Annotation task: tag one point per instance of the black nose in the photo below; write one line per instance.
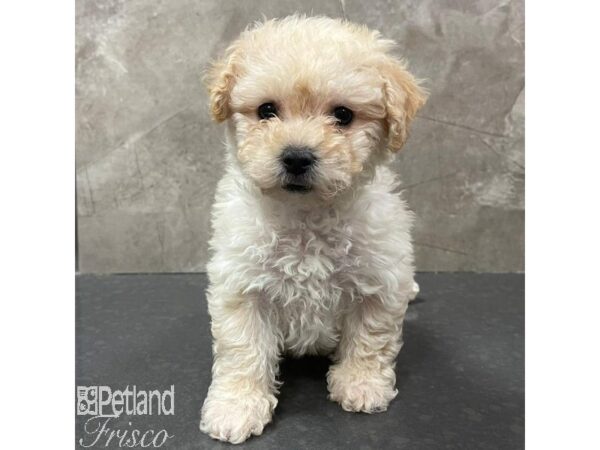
(297, 160)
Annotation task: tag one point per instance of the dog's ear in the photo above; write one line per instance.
(220, 79)
(403, 98)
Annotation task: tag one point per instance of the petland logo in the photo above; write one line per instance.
(104, 406)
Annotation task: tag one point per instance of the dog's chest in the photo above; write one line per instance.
(307, 261)
(308, 264)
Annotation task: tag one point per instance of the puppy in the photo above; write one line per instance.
(311, 248)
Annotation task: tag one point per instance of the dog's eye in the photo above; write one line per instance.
(267, 111)
(343, 115)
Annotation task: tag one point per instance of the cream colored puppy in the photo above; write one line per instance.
(311, 243)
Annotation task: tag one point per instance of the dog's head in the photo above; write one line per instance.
(312, 103)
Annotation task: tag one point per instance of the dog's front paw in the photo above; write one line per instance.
(235, 419)
(360, 391)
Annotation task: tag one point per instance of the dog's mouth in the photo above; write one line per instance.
(301, 188)
(297, 183)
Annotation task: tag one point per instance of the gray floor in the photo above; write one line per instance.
(460, 373)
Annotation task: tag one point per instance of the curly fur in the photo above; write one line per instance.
(327, 272)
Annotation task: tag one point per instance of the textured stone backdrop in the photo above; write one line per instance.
(148, 156)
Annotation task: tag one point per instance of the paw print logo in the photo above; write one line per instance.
(87, 400)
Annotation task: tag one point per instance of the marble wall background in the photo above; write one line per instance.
(148, 156)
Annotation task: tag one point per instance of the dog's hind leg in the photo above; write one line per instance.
(415, 291)
(241, 397)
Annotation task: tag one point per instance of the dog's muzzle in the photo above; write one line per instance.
(298, 164)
